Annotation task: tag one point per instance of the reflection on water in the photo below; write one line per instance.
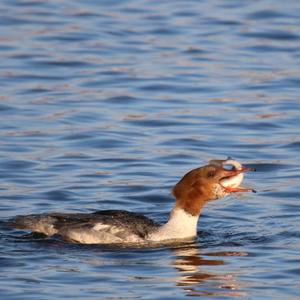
(194, 274)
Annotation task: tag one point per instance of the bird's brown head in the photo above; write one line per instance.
(213, 181)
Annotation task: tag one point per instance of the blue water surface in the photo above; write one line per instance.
(106, 104)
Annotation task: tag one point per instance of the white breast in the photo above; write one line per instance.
(181, 225)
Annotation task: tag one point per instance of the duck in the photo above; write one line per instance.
(199, 186)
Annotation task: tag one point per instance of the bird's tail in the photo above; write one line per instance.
(36, 223)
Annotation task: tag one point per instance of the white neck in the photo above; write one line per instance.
(181, 225)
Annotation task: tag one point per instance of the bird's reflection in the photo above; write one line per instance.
(196, 280)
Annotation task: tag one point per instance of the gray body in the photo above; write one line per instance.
(105, 227)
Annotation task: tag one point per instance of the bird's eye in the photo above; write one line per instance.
(211, 174)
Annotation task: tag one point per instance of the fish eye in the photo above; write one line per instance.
(228, 167)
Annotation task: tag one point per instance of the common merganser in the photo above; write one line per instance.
(213, 181)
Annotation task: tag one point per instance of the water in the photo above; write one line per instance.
(106, 104)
